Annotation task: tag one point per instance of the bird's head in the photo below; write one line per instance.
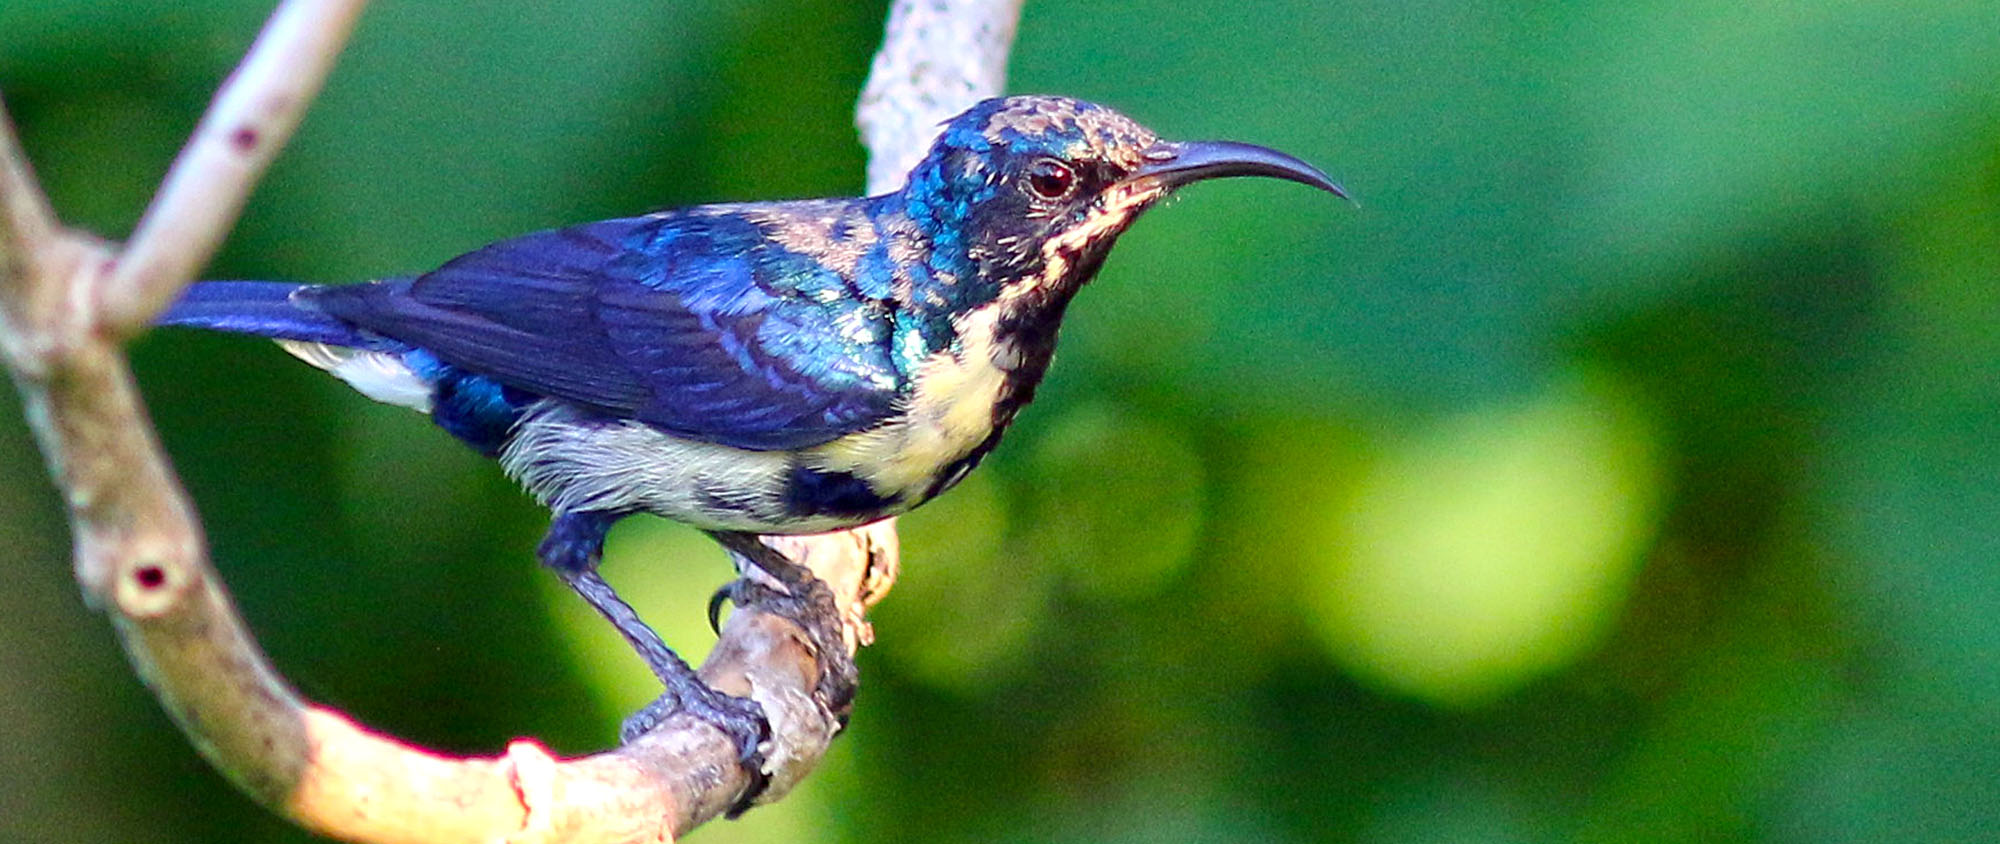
(1032, 191)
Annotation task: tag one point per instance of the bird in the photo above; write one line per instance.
(754, 368)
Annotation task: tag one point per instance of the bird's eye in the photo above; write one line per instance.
(1051, 179)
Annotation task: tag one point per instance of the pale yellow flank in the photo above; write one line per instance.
(949, 414)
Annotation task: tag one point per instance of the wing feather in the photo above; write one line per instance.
(690, 322)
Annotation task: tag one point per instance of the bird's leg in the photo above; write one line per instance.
(802, 597)
(573, 548)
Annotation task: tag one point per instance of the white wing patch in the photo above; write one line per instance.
(378, 375)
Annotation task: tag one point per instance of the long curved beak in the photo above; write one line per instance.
(1177, 164)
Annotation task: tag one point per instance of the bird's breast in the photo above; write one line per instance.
(959, 401)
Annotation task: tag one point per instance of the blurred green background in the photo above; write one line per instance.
(1626, 468)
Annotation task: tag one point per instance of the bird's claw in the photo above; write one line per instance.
(741, 719)
(812, 607)
(725, 594)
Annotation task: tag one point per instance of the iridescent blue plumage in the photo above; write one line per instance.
(782, 367)
(693, 322)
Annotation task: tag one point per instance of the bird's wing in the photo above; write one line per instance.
(697, 324)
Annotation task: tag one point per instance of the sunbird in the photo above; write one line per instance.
(754, 368)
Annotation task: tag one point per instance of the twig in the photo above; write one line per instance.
(29, 249)
(26, 212)
(67, 303)
(252, 117)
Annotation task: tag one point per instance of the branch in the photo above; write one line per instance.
(67, 304)
(939, 58)
(251, 119)
(25, 215)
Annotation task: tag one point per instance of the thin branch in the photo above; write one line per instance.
(28, 217)
(939, 58)
(28, 228)
(68, 301)
(251, 119)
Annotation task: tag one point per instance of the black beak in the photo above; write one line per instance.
(1177, 164)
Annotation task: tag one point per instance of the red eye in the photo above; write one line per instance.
(1051, 179)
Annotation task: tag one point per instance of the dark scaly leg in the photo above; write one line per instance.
(573, 547)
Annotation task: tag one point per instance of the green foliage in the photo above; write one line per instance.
(1622, 470)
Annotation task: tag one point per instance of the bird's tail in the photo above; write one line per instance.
(261, 308)
(275, 309)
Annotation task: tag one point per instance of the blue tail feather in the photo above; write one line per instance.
(261, 308)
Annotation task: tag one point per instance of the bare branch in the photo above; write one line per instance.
(28, 217)
(28, 245)
(68, 301)
(252, 117)
(940, 57)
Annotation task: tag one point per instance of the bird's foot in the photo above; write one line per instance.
(811, 606)
(741, 719)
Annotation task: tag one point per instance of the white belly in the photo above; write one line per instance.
(574, 461)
